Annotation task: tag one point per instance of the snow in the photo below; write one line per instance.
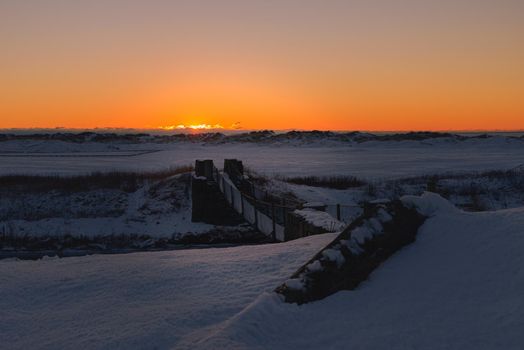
(459, 286)
(315, 266)
(334, 255)
(429, 204)
(350, 208)
(294, 283)
(280, 233)
(320, 219)
(140, 300)
(361, 234)
(313, 204)
(264, 223)
(249, 212)
(369, 160)
(158, 209)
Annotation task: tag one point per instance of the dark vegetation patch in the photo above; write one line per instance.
(256, 178)
(511, 174)
(336, 182)
(263, 136)
(93, 196)
(418, 136)
(54, 204)
(31, 247)
(125, 181)
(465, 184)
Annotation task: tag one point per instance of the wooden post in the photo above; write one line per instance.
(208, 169)
(199, 168)
(204, 168)
(338, 212)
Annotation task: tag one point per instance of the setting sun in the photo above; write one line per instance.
(192, 127)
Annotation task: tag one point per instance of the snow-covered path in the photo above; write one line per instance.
(459, 286)
(141, 300)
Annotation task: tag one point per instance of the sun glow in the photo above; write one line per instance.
(192, 127)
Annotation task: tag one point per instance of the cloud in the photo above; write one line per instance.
(236, 126)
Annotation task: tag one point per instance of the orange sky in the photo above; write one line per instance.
(305, 64)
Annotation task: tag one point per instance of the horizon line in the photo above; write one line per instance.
(156, 129)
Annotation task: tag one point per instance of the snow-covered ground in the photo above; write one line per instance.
(140, 300)
(471, 191)
(158, 209)
(369, 160)
(459, 286)
(378, 162)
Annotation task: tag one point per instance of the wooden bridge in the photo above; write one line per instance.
(229, 197)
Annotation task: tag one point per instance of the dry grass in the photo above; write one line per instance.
(127, 181)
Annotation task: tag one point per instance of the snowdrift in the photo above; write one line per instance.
(459, 286)
(137, 301)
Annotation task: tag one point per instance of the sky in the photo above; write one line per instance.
(266, 64)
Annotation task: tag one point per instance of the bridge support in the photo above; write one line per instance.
(209, 204)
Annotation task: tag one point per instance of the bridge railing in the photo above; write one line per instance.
(267, 216)
(344, 212)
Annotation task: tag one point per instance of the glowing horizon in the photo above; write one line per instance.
(191, 126)
(309, 65)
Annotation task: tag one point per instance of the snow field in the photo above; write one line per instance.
(369, 160)
(459, 286)
(139, 300)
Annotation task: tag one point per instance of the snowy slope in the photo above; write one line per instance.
(138, 301)
(157, 208)
(459, 286)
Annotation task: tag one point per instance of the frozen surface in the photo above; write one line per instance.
(369, 160)
(459, 286)
(141, 300)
